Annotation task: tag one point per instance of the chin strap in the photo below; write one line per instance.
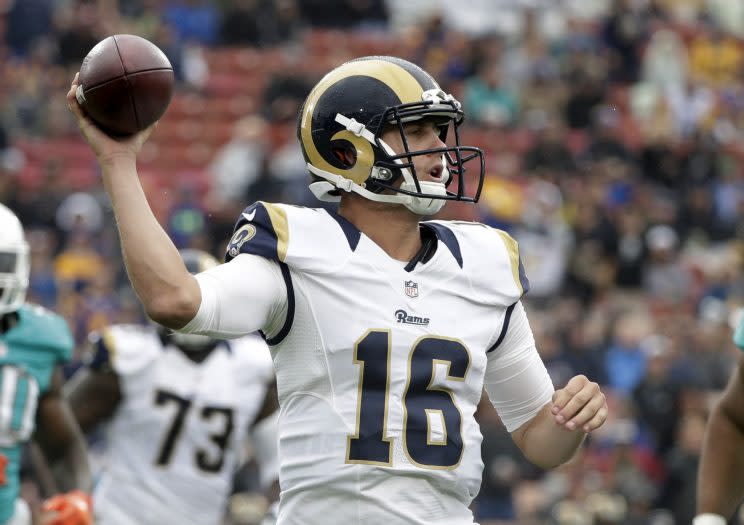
(418, 205)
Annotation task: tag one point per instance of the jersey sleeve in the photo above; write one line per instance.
(516, 380)
(49, 331)
(122, 349)
(247, 294)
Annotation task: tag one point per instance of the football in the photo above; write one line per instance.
(125, 84)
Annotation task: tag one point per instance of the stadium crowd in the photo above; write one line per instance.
(614, 134)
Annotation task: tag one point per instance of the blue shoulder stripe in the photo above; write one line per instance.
(504, 328)
(261, 229)
(279, 337)
(447, 237)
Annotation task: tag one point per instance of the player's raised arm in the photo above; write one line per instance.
(169, 293)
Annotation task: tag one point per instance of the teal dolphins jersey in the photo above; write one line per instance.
(29, 353)
(739, 334)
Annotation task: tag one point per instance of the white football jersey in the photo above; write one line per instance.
(176, 437)
(380, 364)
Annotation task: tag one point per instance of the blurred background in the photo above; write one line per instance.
(614, 133)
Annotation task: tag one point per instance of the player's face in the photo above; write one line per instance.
(420, 135)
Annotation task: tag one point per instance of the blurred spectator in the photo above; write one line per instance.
(488, 99)
(625, 363)
(664, 276)
(715, 58)
(242, 22)
(77, 25)
(657, 397)
(631, 248)
(345, 14)
(623, 33)
(27, 21)
(529, 58)
(665, 61)
(193, 20)
(544, 238)
(606, 142)
(80, 212)
(284, 96)
(195, 68)
(238, 163)
(38, 208)
(549, 155)
(587, 93)
(42, 286)
(691, 105)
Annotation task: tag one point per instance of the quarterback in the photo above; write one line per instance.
(33, 342)
(384, 328)
(177, 407)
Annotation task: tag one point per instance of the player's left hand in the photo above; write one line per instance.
(72, 508)
(580, 405)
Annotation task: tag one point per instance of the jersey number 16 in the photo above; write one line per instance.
(422, 402)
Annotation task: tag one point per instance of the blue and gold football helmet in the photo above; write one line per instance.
(350, 108)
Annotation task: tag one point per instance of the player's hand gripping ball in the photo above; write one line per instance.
(125, 84)
(72, 508)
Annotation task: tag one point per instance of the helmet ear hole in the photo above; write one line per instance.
(345, 152)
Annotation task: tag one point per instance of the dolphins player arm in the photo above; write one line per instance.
(63, 446)
(93, 396)
(720, 480)
(60, 438)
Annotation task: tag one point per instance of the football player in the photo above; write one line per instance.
(720, 483)
(33, 343)
(384, 328)
(178, 407)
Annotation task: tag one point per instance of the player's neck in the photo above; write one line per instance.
(392, 228)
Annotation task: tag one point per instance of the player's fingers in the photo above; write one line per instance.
(562, 396)
(577, 402)
(145, 133)
(597, 421)
(590, 409)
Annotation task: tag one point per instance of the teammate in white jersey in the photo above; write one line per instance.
(178, 407)
(384, 329)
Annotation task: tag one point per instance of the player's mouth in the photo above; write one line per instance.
(436, 173)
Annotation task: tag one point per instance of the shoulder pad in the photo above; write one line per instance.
(48, 330)
(125, 349)
(489, 256)
(292, 235)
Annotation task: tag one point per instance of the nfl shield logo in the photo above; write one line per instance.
(411, 289)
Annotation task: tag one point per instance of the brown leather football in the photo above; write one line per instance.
(125, 84)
